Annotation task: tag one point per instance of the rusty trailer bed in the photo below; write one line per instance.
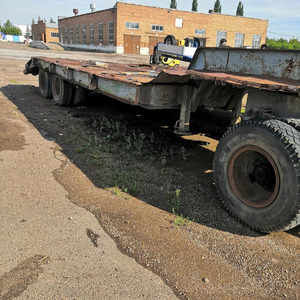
(150, 86)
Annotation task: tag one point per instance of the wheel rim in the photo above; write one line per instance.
(168, 41)
(253, 176)
(57, 87)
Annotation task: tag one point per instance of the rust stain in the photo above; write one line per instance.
(144, 74)
(256, 81)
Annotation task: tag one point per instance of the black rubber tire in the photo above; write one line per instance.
(257, 173)
(151, 60)
(45, 83)
(188, 42)
(61, 90)
(293, 122)
(198, 42)
(170, 40)
(79, 94)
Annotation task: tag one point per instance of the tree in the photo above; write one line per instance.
(218, 7)
(52, 21)
(195, 5)
(8, 28)
(173, 4)
(39, 18)
(8, 24)
(33, 21)
(282, 44)
(240, 9)
(28, 32)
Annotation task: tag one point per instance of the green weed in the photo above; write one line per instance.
(181, 221)
(14, 81)
(174, 201)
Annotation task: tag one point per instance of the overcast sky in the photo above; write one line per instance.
(283, 15)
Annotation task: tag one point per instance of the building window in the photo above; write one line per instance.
(200, 32)
(179, 23)
(239, 40)
(110, 33)
(130, 25)
(71, 35)
(100, 27)
(77, 34)
(220, 35)
(61, 35)
(83, 34)
(256, 41)
(91, 33)
(157, 28)
(66, 35)
(54, 34)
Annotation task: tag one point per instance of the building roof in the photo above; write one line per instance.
(155, 7)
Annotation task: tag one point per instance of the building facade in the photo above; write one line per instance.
(131, 28)
(45, 32)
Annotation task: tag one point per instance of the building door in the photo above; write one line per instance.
(132, 44)
(153, 40)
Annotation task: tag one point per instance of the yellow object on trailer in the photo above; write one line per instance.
(171, 62)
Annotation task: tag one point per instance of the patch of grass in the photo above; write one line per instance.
(134, 141)
(181, 221)
(174, 201)
(95, 155)
(126, 182)
(80, 149)
(116, 191)
(14, 81)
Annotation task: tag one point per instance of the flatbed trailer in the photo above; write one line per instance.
(257, 161)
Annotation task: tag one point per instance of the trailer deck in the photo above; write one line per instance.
(86, 73)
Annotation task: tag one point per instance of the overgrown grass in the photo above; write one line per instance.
(135, 141)
(120, 154)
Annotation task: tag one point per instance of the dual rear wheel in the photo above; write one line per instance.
(62, 91)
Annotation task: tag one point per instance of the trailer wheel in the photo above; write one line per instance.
(62, 90)
(188, 42)
(257, 172)
(170, 40)
(199, 42)
(45, 83)
(151, 60)
(79, 95)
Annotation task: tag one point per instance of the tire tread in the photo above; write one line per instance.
(290, 138)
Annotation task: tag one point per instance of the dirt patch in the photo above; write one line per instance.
(17, 280)
(10, 136)
(153, 239)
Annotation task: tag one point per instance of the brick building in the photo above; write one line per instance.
(131, 28)
(45, 32)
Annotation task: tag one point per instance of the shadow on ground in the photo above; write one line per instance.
(127, 148)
